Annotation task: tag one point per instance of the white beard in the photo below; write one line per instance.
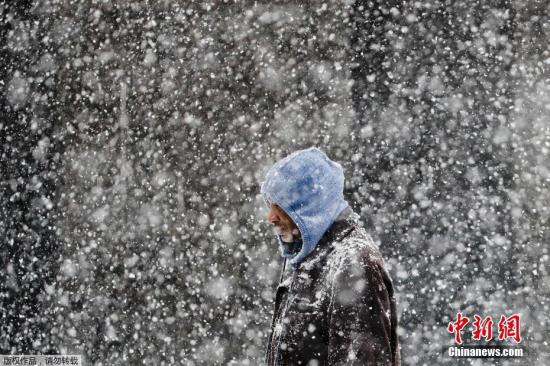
(287, 235)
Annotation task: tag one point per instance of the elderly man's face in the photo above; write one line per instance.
(282, 224)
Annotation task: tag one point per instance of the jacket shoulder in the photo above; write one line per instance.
(358, 248)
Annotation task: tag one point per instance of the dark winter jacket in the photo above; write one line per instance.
(337, 307)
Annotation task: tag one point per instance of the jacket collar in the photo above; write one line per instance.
(338, 230)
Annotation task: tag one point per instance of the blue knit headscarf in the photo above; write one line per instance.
(309, 187)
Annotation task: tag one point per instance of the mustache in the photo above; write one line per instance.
(280, 230)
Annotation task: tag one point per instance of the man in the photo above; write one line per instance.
(335, 303)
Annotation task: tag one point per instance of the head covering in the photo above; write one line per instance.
(309, 187)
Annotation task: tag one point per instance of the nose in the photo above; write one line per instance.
(272, 216)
